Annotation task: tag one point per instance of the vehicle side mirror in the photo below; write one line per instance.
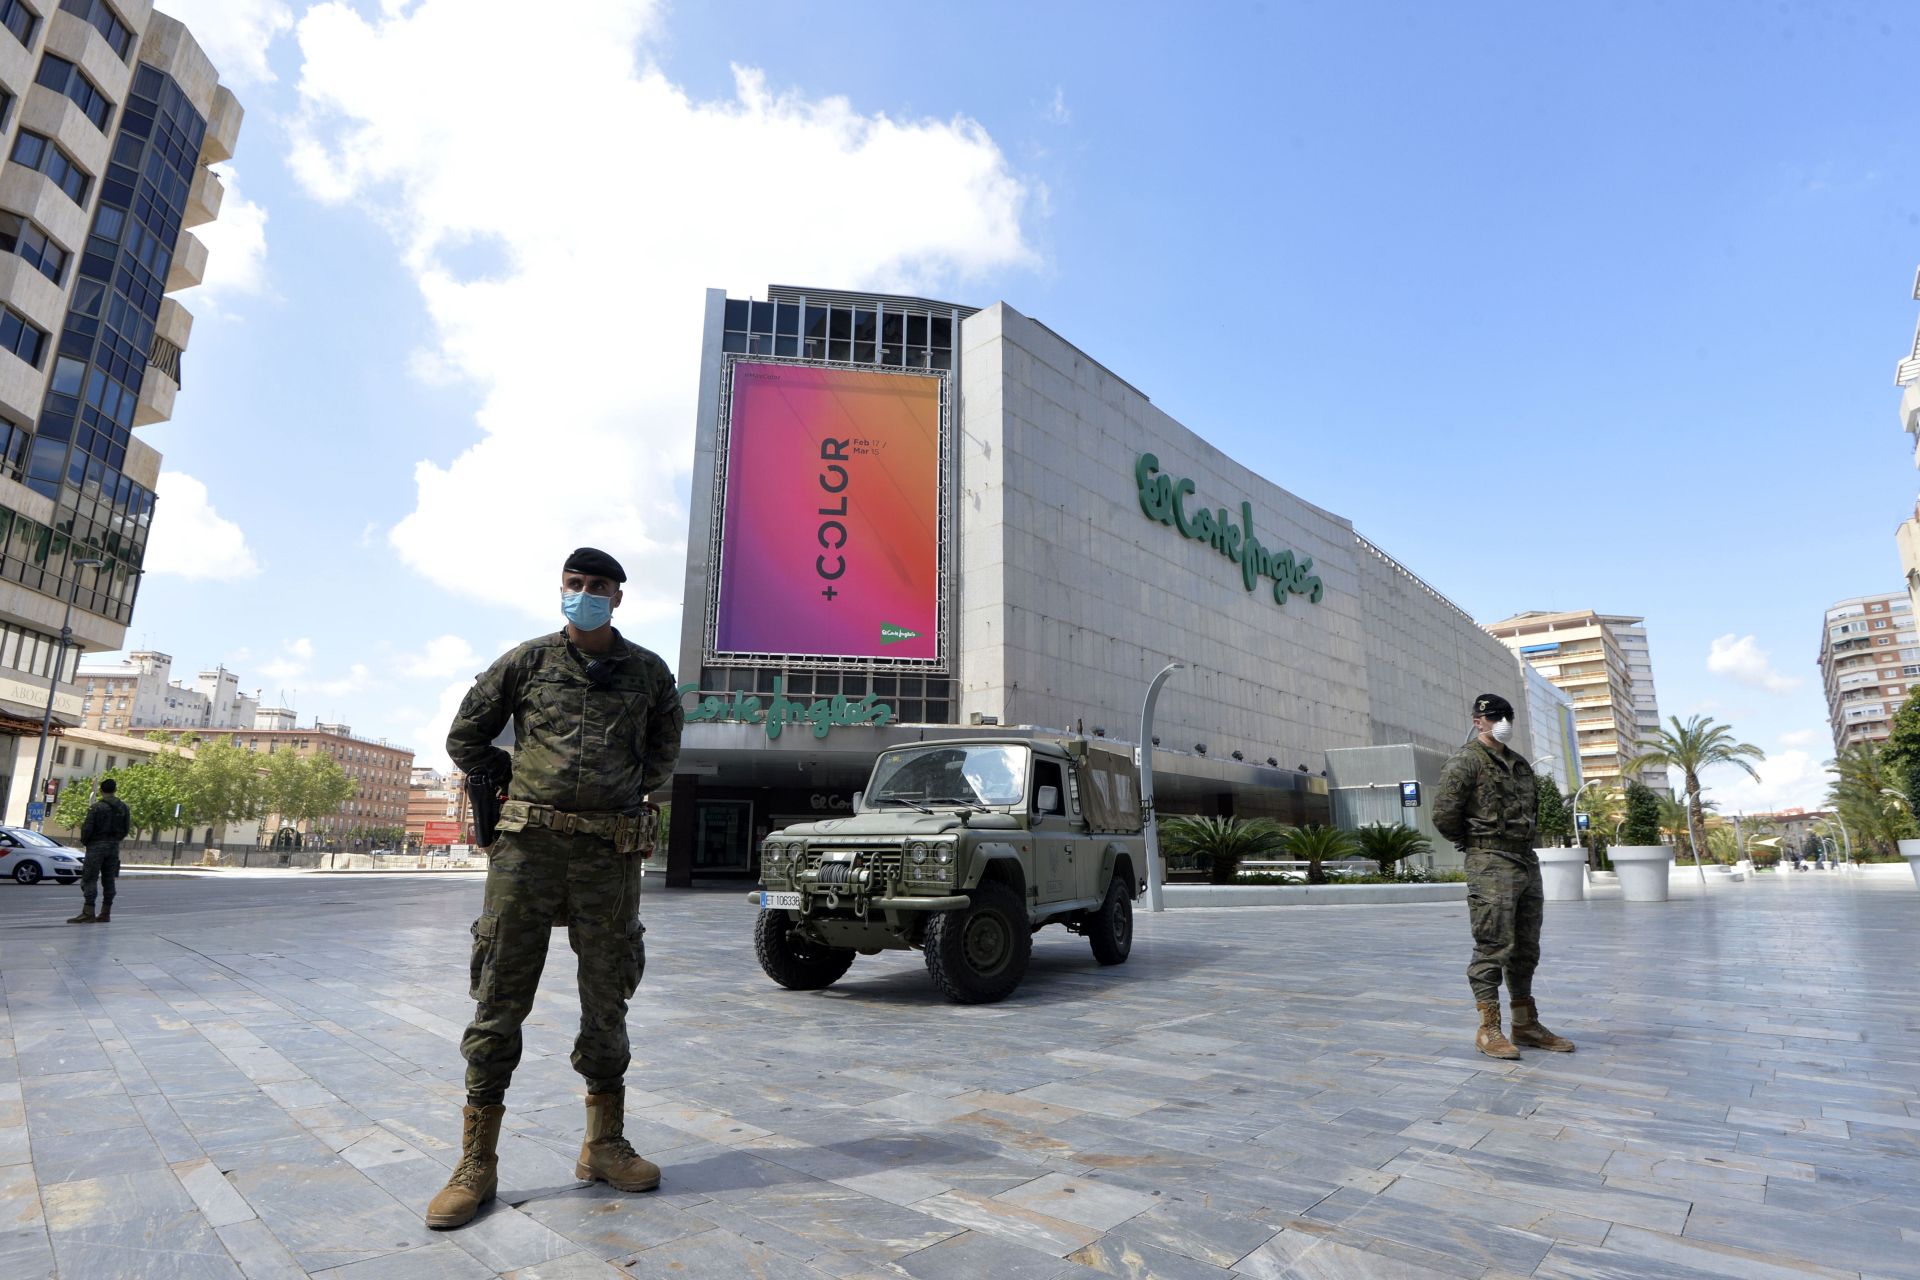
(1049, 800)
(859, 797)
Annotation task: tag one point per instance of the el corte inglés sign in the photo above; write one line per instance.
(1164, 498)
(822, 715)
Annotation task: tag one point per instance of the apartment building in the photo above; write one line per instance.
(1869, 663)
(381, 771)
(1603, 662)
(1906, 376)
(139, 693)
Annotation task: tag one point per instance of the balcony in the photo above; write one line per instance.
(158, 388)
(223, 127)
(189, 263)
(203, 198)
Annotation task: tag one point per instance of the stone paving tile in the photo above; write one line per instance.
(1213, 1113)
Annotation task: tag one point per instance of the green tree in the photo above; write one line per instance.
(220, 785)
(1555, 821)
(1692, 747)
(1222, 842)
(1390, 844)
(151, 789)
(75, 798)
(1315, 844)
(1901, 751)
(1866, 794)
(1642, 825)
(303, 788)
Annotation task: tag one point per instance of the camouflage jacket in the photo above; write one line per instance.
(577, 747)
(1487, 799)
(108, 819)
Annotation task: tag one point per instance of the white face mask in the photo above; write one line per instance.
(1501, 731)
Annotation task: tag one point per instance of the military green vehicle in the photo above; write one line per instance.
(962, 850)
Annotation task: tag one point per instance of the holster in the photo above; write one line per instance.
(485, 794)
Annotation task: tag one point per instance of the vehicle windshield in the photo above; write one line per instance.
(989, 774)
(32, 837)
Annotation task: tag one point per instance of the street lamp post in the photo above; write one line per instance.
(1578, 792)
(1149, 819)
(53, 681)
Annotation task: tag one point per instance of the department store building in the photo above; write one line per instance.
(916, 520)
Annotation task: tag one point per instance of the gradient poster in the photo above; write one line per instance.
(831, 534)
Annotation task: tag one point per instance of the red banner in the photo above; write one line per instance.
(443, 833)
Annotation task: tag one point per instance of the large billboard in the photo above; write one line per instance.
(830, 532)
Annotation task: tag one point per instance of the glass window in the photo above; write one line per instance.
(103, 19)
(762, 320)
(20, 20)
(63, 77)
(737, 311)
(27, 149)
(991, 774)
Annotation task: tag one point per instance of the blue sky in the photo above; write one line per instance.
(1583, 306)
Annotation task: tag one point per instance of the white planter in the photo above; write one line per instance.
(1643, 870)
(1563, 874)
(1910, 850)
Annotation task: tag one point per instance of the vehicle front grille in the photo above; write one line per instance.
(884, 864)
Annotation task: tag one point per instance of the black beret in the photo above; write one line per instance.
(593, 561)
(1492, 706)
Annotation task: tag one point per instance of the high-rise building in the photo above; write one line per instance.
(109, 116)
(1601, 661)
(1869, 662)
(1906, 376)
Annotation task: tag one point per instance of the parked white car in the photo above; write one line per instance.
(30, 857)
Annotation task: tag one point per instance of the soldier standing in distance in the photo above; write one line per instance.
(1488, 806)
(107, 823)
(597, 723)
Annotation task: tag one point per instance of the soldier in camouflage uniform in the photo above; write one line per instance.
(597, 725)
(107, 823)
(1487, 805)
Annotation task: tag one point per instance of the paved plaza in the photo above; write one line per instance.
(258, 1076)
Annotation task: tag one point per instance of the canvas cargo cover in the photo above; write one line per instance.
(1110, 789)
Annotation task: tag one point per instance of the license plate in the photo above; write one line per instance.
(779, 901)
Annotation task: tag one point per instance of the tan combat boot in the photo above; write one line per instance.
(1528, 1031)
(476, 1177)
(606, 1154)
(1488, 1039)
(86, 916)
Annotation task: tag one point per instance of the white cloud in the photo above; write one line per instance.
(1740, 658)
(1803, 737)
(562, 258)
(236, 34)
(430, 739)
(1057, 110)
(443, 657)
(1788, 779)
(294, 658)
(236, 244)
(192, 540)
(358, 677)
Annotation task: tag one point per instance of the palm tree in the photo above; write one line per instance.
(1389, 845)
(1315, 844)
(1691, 747)
(1865, 791)
(1222, 842)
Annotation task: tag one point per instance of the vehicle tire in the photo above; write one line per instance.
(794, 963)
(1110, 925)
(28, 872)
(978, 954)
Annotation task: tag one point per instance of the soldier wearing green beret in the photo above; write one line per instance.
(596, 722)
(1487, 805)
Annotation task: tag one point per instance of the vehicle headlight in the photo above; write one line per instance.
(772, 853)
(917, 851)
(943, 854)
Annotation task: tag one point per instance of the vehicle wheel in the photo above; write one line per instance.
(795, 963)
(27, 873)
(978, 954)
(1110, 926)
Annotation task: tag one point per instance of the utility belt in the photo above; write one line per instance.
(1500, 844)
(629, 833)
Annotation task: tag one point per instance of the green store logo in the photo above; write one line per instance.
(893, 634)
(822, 715)
(1163, 498)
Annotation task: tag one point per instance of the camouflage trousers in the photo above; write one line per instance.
(537, 879)
(100, 869)
(1504, 902)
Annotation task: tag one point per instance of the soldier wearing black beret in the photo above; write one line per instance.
(597, 723)
(1487, 804)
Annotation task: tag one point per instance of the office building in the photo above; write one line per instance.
(109, 117)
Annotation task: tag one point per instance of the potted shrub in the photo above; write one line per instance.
(1643, 863)
(1390, 845)
(1221, 843)
(1563, 871)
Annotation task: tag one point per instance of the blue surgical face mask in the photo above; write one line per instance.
(586, 612)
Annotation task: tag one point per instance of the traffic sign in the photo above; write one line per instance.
(36, 811)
